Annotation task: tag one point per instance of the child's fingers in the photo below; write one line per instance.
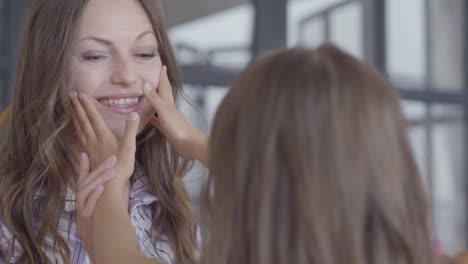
(153, 97)
(92, 201)
(96, 120)
(83, 119)
(84, 166)
(131, 130)
(86, 189)
(128, 146)
(165, 87)
(79, 131)
(107, 164)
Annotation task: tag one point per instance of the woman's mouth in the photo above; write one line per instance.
(122, 104)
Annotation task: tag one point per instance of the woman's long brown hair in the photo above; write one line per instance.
(310, 163)
(37, 155)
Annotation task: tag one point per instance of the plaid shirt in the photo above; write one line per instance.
(142, 208)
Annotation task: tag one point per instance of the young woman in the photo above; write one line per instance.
(310, 163)
(107, 50)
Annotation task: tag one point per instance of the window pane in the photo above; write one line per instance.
(448, 139)
(406, 50)
(300, 10)
(414, 110)
(346, 29)
(222, 39)
(418, 140)
(438, 146)
(309, 25)
(446, 30)
(313, 34)
(415, 113)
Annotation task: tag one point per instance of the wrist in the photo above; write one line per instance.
(200, 147)
(116, 184)
(117, 189)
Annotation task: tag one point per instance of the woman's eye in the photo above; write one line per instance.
(146, 56)
(93, 58)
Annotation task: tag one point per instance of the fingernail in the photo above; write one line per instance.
(134, 116)
(72, 93)
(147, 87)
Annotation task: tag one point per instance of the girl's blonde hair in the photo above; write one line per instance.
(310, 163)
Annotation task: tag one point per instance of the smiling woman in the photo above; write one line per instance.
(104, 50)
(112, 59)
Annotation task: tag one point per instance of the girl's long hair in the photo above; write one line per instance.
(310, 163)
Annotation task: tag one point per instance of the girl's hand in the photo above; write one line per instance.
(99, 142)
(88, 191)
(94, 136)
(127, 149)
(186, 140)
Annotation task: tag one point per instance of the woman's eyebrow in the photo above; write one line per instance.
(97, 39)
(109, 43)
(144, 34)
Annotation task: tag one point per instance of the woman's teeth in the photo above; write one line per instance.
(120, 102)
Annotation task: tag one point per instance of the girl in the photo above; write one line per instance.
(105, 49)
(310, 163)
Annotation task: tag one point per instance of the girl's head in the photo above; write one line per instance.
(106, 49)
(311, 164)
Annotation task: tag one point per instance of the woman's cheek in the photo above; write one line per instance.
(152, 73)
(85, 80)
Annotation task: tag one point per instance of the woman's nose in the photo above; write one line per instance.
(123, 74)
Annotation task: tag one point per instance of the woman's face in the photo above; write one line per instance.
(115, 52)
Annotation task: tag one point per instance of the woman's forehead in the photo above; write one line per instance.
(114, 18)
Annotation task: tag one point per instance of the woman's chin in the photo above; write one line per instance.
(118, 133)
(116, 123)
(119, 129)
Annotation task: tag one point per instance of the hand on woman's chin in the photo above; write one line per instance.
(119, 129)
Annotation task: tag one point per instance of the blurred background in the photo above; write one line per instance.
(418, 44)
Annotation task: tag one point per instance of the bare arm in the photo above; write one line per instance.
(113, 239)
(188, 141)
